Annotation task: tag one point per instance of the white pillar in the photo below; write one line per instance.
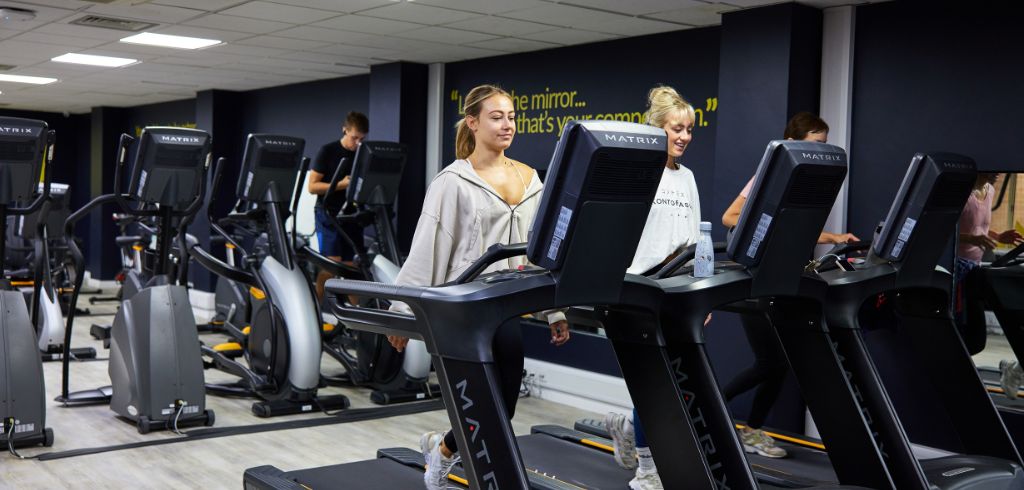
(435, 120)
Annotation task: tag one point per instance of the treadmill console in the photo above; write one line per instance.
(170, 164)
(23, 145)
(376, 173)
(926, 210)
(270, 163)
(792, 175)
(601, 182)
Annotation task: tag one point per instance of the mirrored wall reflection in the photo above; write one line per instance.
(988, 299)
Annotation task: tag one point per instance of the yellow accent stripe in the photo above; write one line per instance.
(794, 440)
(22, 283)
(257, 293)
(229, 246)
(592, 443)
(996, 389)
(216, 322)
(454, 478)
(328, 327)
(246, 330)
(137, 248)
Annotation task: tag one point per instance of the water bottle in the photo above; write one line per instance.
(704, 260)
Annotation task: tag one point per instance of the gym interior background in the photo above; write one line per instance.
(891, 78)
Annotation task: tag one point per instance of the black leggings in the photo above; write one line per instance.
(508, 357)
(767, 373)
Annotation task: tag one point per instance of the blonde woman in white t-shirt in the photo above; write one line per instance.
(673, 224)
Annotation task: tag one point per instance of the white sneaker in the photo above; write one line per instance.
(438, 466)
(646, 481)
(620, 427)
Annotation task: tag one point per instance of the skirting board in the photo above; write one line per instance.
(585, 390)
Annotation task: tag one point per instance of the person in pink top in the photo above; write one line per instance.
(974, 240)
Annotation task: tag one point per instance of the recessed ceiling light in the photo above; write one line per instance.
(89, 59)
(26, 79)
(169, 41)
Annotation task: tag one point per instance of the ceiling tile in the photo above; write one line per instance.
(446, 35)
(70, 41)
(448, 53)
(326, 58)
(370, 25)
(414, 12)
(241, 24)
(282, 42)
(44, 15)
(513, 45)
(570, 36)
(564, 15)
(359, 51)
(82, 31)
(323, 34)
(347, 6)
(634, 26)
(754, 3)
(241, 49)
(277, 12)
(207, 5)
(40, 51)
(499, 26)
(701, 15)
(633, 7)
(162, 14)
(484, 6)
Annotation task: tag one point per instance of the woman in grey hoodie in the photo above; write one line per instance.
(481, 199)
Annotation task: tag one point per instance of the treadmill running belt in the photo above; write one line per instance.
(804, 467)
(990, 377)
(572, 463)
(372, 474)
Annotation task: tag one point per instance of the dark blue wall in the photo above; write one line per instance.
(314, 110)
(178, 113)
(928, 76)
(603, 78)
(71, 155)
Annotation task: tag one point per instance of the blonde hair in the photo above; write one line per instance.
(663, 102)
(465, 143)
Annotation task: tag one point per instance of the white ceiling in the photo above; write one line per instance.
(278, 42)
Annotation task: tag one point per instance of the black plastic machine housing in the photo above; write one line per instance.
(170, 164)
(376, 173)
(270, 163)
(23, 144)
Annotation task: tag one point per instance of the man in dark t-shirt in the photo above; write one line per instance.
(342, 151)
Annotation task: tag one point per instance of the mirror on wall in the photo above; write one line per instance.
(988, 294)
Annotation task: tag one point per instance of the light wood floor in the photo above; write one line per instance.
(213, 463)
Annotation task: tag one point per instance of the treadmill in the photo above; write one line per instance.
(603, 175)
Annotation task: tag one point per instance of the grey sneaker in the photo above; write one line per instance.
(620, 427)
(646, 481)
(1010, 378)
(756, 441)
(438, 466)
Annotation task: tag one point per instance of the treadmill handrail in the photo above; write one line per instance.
(379, 321)
(494, 253)
(686, 255)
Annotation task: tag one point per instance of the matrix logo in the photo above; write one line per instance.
(281, 142)
(180, 139)
(16, 130)
(482, 457)
(823, 157)
(700, 425)
(630, 138)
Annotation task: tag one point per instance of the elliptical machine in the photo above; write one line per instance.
(155, 368)
(24, 145)
(393, 376)
(282, 348)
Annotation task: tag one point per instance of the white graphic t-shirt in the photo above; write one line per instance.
(674, 221)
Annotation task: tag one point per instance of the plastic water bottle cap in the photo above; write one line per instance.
(705, 226)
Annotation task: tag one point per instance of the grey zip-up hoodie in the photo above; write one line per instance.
(462, 216)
